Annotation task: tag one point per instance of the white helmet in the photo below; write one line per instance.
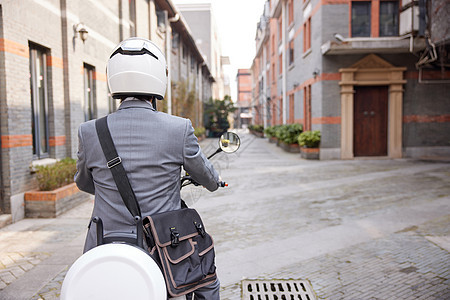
(137, 67)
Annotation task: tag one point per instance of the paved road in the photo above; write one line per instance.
(361, 229)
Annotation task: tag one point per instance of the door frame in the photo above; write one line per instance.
(375, 71)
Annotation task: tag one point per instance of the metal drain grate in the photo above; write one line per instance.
(277, 290)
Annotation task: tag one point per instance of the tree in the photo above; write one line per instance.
(216, 115)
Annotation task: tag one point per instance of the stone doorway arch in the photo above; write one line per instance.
(372, 71)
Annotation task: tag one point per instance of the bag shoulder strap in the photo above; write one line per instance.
(114, 163)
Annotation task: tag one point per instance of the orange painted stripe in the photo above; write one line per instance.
(12, 141)
(426, 119)
(57, 140)
(330, 76)
(14, 48)
(321, 77)
(56, 62)
(331, 2)
(100, 76)
(326, 120)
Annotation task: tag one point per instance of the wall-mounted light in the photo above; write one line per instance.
(79, 30)
(296, 84)
(316, 72)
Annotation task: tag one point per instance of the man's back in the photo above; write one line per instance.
(153, 146)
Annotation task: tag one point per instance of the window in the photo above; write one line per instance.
(388, 18)
(89, 93)
(193, 63)
(291, 52)
(307, 108)
(361, 11)
(290, 12)
(160, 19)
(273, 44)
(132, 17)
(280, 29)
(39, 86)
(280, 63)
(112, 104)
(273, 72)
(175, 40)
(184, 53)
(307, 35)
(291, 108)
(280, 111)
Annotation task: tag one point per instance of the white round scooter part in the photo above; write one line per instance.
(114, 271)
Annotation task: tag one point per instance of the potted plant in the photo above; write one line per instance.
(257, 130)
(57, 191)
(288, 137)
(271, 133)
(309, 142)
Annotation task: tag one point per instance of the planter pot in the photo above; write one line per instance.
(273, 140)
(310, 153)
(49, 204)
(291, 148)
(257, 133)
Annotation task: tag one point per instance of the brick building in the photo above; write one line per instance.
(53, 56)
(244, 98)
(372, 76)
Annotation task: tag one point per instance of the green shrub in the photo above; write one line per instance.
(289, 133)
(256, 127)
(56, 175)
(199, 131)
(270, 131)
(309, 139)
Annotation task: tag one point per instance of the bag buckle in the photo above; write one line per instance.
(174, 237)
(114, 162)
(200, 228)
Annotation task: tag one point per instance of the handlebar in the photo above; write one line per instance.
(187, 180)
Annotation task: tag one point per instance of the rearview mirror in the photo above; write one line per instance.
(229, 142)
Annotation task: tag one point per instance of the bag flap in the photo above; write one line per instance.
(182, 221)
(204, 244)
(180, 252)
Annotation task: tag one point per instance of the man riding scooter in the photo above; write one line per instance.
(153, 146)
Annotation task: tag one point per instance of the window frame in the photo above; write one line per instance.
(292, 108)
(370, 21)
(307, 111)
(39, 100)
(396, 19)
(291, 52)
(307, 35)
(90, 103)
(290, 12)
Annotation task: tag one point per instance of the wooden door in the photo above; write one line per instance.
(370, 121)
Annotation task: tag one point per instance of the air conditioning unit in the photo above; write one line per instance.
(409, 18)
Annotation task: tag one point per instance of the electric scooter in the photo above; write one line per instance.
(119, 267)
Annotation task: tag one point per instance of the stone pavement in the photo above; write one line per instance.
(360, 229)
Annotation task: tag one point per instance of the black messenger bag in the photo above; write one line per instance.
(176, 240)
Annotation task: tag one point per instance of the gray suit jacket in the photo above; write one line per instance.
(153, 147)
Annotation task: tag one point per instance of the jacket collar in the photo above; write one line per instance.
(134, 102)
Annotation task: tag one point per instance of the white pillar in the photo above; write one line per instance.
(283, 59)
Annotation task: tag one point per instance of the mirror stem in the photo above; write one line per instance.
(217, 151)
